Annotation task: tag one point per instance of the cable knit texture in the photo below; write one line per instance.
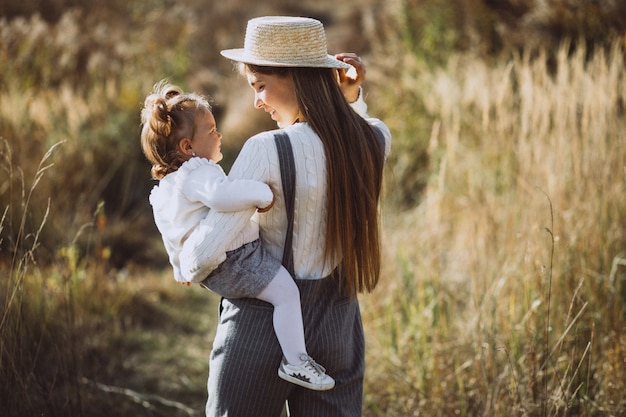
(258, 160)
(182, 200)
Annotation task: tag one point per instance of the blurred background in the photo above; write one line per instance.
(504, 209)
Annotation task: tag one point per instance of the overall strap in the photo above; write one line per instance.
(288, 178)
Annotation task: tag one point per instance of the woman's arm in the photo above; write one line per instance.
(350, 83)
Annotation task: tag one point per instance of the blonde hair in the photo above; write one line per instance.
(355, 158)
(168, 116)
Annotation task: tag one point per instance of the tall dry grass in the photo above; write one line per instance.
(80, 81)
(73, 186)
(71, 329)
(505, 288)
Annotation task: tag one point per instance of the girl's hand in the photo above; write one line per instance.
(350, 80)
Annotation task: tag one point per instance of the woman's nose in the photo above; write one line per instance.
(258, 103)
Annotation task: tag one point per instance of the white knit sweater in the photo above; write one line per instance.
(258, 160)
(184, 197)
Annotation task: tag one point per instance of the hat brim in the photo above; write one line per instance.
(239, 55)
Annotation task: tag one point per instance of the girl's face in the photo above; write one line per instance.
(207, 141)
(276, 95)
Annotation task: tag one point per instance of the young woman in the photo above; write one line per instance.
(338, 154)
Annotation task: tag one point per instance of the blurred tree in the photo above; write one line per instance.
(529, 23)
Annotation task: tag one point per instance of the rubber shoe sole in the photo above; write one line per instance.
(299, 375)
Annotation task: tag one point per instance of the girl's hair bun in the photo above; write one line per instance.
(168, 116)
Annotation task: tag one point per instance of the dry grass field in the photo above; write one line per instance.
(504, 216)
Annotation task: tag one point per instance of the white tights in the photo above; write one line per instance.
(282, 292)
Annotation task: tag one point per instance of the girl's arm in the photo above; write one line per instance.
(206, 247)
(208, 184)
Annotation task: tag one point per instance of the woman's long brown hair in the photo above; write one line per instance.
(355, 158)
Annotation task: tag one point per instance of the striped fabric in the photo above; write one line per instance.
(243, 375)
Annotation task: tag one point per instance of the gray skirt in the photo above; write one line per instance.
(244, 273)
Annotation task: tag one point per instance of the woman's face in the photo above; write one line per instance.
(276, 95)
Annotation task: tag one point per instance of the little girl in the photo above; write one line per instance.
(179, 137)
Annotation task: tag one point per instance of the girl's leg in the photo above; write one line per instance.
(282, 292)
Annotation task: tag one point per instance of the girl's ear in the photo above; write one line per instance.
(185, 147)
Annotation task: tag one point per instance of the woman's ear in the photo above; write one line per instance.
(185, 147)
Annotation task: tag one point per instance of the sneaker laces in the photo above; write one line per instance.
(309, 362)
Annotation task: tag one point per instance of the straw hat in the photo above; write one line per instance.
(281, 41)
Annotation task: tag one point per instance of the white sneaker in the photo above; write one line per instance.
(309, 375)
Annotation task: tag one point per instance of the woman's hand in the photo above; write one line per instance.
(266, 209)
(351, 83)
